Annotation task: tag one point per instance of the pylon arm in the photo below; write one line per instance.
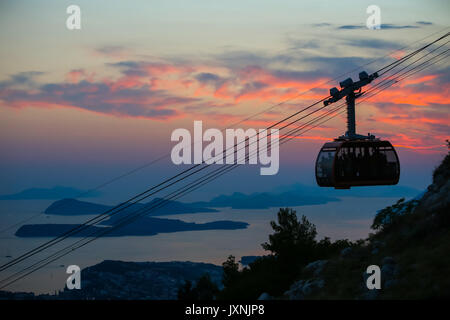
(351, 90)
(349, 87)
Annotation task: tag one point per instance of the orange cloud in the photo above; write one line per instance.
(77, 75)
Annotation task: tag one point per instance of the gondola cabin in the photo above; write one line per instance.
(347, 163)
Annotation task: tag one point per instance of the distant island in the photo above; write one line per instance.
(144, 226)
(303, 195)
(290, 195)
(265, 200)
(56, 192)
(73, 207)
(148, 225)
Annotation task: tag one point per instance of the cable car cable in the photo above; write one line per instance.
(285, 126)
(248, 118)
(289, 117)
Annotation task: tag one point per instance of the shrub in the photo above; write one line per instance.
(292, 246)
(230, 271)
(391, 215)
(204, 289)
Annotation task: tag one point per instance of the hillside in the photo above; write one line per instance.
(130, 281)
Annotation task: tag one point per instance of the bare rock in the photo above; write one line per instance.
(316, 267)
(265, 296)
(302, 288)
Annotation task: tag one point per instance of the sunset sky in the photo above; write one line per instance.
(80, 107)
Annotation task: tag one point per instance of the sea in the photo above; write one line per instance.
(349, 218)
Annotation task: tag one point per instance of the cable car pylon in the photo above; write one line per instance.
(351, 90)
(353, 159)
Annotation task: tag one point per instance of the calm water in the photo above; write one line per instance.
(349, 218)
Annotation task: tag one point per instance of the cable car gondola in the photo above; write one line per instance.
(353, 159)
(346, 163)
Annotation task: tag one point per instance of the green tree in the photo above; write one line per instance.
(293, 241)
(205, 289)
(293, 244)
(230, 271)
(186, 292)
